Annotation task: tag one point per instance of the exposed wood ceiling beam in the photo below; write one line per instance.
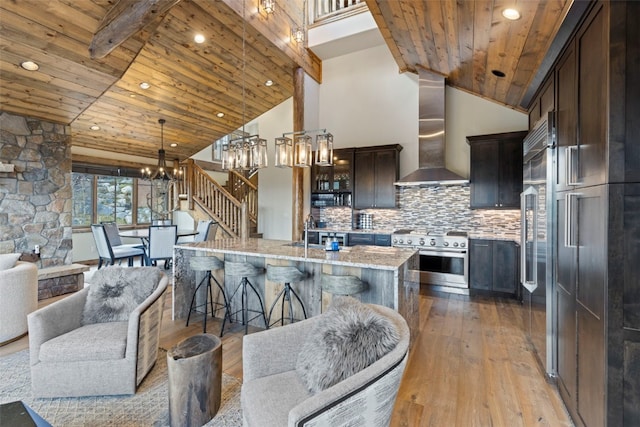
(124, 20)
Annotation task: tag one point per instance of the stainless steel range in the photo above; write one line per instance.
(443, 256)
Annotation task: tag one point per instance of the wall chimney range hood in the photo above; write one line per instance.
(431, 139)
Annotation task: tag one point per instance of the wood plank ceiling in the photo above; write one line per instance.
(191, 83)
(467, 40)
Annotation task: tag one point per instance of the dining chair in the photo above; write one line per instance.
(113, 235)
(203, 230)
(161, 241)
(109, 254)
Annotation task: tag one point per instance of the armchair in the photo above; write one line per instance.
(274, 393)
(18, 298)
(71, 358)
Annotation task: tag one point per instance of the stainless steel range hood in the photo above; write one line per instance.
(431, 139)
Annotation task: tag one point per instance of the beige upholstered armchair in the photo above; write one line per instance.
(92, 342)
(18, 298)
(276, 393)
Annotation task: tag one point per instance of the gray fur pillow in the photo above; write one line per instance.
(349, 337)
(116, 291)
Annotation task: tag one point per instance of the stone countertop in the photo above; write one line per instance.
(376, 257)
(495, 236)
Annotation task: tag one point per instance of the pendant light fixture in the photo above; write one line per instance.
(246, 152)
(162, 172)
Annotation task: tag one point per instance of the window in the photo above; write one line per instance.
(100, 198)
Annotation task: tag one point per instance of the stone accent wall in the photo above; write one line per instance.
(437, 208)
(36, 199)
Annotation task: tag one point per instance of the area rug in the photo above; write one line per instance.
(148, 407)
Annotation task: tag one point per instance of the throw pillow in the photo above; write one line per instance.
(8, 261)
(116, 291)
(349, 337)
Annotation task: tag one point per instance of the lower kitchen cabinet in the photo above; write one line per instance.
(493, 265)
(369, 239)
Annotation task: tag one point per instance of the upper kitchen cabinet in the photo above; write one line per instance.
(496, 170)
(375, 171)
(543, 104)
(332, 185)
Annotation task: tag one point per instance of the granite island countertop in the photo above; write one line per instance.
(378, 257)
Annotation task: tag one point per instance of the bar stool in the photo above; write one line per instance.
(209, 264)
(245, 270)
(286, 275)
(342, 285)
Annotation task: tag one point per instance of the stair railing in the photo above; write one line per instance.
(245, 191)
(231, 213)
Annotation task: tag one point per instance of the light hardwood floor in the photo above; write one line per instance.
(469, 366)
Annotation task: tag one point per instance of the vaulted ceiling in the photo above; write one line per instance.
(191, 83)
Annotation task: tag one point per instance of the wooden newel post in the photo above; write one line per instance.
(195, 380)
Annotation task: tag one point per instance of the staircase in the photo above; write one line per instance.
(234, 207)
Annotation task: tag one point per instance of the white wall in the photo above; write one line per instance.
(275, 196)
(365, 101)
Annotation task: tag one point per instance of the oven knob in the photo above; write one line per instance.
(408, 241)
(432, 242)
(462, 245)
(455, 244)
(446, 243)
(421, 242)
(400, 241)
(395, 240)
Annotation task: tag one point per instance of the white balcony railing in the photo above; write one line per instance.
(328, 9)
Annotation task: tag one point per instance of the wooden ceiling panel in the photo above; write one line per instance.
(467, 40)
(191, 83)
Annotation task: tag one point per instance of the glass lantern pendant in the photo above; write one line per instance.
(324, 149)
(259, 153)
(284, 153)
(302, 151)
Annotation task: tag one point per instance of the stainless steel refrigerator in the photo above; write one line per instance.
(537, 230)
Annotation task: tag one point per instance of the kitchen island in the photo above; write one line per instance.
(386, 270)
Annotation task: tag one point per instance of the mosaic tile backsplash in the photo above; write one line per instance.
(437, 208)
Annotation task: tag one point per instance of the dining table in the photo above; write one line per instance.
(143, 233)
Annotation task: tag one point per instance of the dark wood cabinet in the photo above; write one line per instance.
(496, 170)
(581, 294)
(597, 216)
(543, 104)
(375, 171)
(566, 118)
(493, 265)
(373, 239)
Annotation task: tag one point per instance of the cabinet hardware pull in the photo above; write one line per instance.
(569, 219)
(569, 164)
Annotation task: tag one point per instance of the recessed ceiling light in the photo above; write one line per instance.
(268, 83)
(511, 14)
(173, 144)
(144, 85)
(94, 127)
(198, 38)
(220, 115)
(498, 73)
(30, 66)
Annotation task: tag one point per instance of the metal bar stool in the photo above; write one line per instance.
(286, 275)
(209, 264)
(245, 270)
(342, 285)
